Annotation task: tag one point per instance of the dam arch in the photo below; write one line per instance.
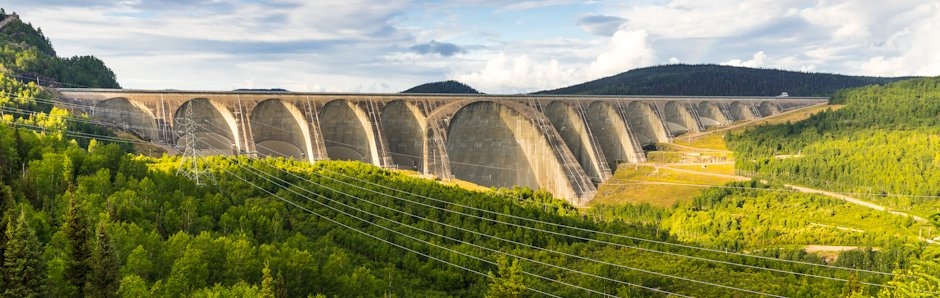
(128, 114)
(767, 108)
(404, 126)
(498, 145)
(215, 127)
(741, 111)
(347, 132)
(568, 120)
(710, 114)
(279, 129)
(678, 118)
(646, 124)
(613, 135)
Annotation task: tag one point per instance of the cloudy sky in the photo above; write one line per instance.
(494, 46)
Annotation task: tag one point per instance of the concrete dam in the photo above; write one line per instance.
(563, 144)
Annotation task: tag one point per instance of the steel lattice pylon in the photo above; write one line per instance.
(191, 164)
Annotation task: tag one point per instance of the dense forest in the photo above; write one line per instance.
(27, 54)
(93, 220)
(445, 87)
(718, 80)
(883, 145)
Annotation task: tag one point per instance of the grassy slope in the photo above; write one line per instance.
(633, 186)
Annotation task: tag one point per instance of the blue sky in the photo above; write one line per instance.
(494, 46)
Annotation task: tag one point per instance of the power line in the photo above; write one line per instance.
(409, 236)
(378, 238)
(484, 235)
(556, 233)
(600, 232)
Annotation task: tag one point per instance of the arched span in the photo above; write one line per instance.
(612, 134)
(767, 108)
(494, 145)
(577, 135)
(347, 132)
(710, 114)
(678, 118)
(741, 111)
(213, 125)
(403, 126)
(645, 124)
(279, 129)
(129, 115)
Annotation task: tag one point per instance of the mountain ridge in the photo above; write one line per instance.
(449, 86)
(718, 80)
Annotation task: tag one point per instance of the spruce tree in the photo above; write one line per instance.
(267, 282)
(78, 234)
(24, 273)
(105, 278)
(6, 214)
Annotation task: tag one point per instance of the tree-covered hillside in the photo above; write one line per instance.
(718, 80)
(883, 145)
(26, 53)
(445, 87)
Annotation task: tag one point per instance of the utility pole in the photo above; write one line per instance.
(190, 164)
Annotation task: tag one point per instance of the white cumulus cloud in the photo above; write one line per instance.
(628, 49)
(756, 61)
(502, 73)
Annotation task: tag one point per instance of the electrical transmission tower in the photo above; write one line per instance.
(191, 166)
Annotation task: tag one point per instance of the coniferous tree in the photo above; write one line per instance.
(6, 211)
(267, 282)
(104, 278)
(24, 273)
(78, 234)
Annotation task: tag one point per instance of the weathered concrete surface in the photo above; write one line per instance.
(404, 126)
(569, 119)
(613, 134)
(646, 124)
(557, 143)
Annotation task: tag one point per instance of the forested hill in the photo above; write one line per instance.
(718, 80)
(883, 145)
(27, 53)
(452, 87)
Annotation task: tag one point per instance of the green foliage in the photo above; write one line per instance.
(921, 279)
(509, 283)
(104, 278)
(79, 257)
(190, 272)
(718, 80)
(26, 52)
(132, 286)
(86, 71)
(173, 238)
(267, 283)
(883, 145)
(24, 273)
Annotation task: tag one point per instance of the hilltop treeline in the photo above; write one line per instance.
(25, 52)
(445, 87)
(718, 80)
